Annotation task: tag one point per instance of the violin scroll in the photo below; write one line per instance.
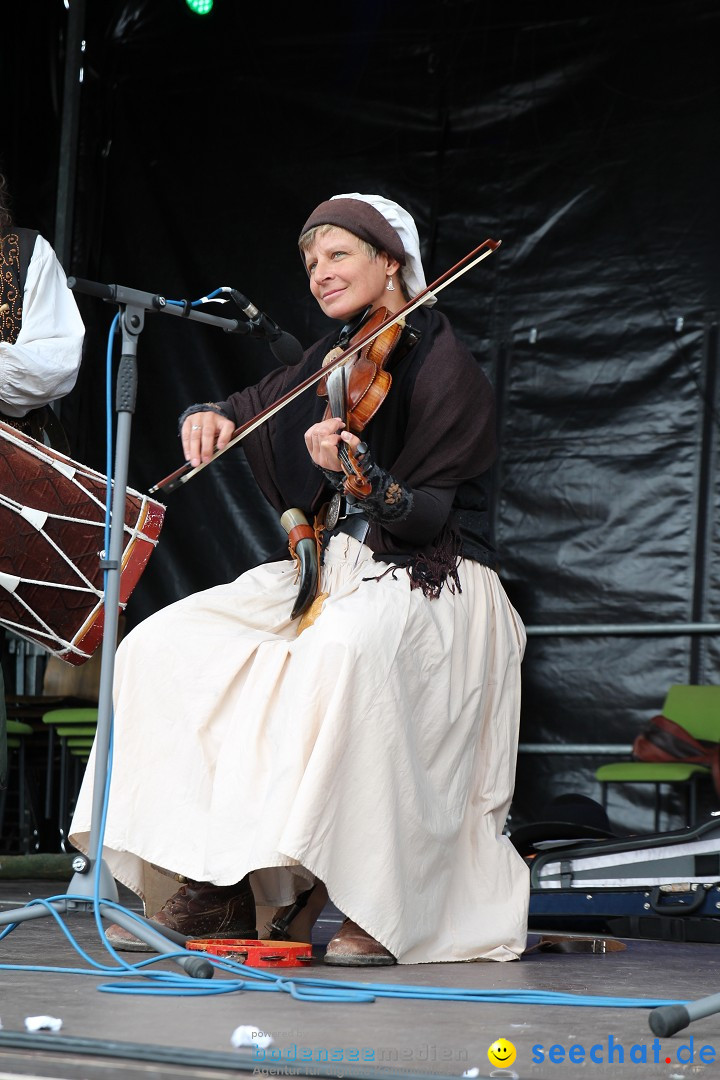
(356, 482)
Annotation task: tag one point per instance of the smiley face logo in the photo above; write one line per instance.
(501, 1053)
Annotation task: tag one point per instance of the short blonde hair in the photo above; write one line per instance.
(307, 240)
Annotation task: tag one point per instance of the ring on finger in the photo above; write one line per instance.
(195, 427)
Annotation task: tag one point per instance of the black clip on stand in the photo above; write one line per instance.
(134, 304)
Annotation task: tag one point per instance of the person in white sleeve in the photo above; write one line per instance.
(41, 341)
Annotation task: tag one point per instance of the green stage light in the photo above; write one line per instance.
(200, 7)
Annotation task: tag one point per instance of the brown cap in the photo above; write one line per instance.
(361, 219)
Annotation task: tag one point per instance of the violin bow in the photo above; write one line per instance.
(187, 471)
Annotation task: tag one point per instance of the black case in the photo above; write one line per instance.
(664, 886)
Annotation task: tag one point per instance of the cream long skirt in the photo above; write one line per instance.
(375, 751)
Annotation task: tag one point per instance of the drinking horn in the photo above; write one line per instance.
(303, 548)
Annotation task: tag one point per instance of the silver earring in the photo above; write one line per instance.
(390, 287)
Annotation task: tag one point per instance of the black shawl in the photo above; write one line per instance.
(436, 427)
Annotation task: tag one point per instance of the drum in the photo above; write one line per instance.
(52, 540)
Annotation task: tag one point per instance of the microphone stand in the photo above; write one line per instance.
(667, 1020)
(133, 304)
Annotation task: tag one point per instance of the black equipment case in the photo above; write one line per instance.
(664, 886)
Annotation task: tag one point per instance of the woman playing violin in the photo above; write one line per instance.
(362, 748)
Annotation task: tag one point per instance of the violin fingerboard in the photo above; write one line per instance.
(336, 392)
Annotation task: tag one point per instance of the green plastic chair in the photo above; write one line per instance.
(71, 727)
(17, 736)
(697, 709)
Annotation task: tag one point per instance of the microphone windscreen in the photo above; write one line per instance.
(287, 349)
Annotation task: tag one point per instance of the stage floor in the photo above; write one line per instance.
(184, 1027)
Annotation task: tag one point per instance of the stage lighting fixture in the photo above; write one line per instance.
(200, 7)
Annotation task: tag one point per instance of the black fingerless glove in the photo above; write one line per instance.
(336, 480)
(206, 406)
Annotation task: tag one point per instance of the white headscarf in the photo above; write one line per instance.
(404, 225)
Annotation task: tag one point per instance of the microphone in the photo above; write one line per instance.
(284, 346)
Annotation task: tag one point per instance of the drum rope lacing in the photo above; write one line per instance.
(79, 477)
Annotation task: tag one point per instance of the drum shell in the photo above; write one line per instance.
(52, 539)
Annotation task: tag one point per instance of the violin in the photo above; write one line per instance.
(187, 471)
(356, 390)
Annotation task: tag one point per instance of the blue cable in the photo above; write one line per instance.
(203, 299)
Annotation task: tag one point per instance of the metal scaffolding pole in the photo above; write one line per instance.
(69, 131)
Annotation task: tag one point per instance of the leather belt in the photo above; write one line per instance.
(355, 525)
(339, 507)
(347, 517)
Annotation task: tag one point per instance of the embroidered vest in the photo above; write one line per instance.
(16, 249)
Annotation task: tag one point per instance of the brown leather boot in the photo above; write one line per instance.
(353, 947)
(198, 910)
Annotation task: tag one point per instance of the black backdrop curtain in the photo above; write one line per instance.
(585, 137)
